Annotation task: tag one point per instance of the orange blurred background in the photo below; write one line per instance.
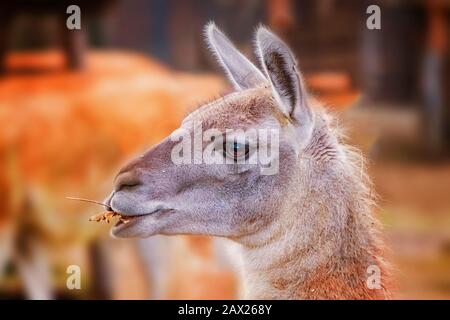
(76, 104)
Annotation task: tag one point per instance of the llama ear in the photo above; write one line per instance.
(287, 85)
(242, 73)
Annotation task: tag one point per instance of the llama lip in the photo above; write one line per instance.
(128, 221)
(122, 225)
(124, 220)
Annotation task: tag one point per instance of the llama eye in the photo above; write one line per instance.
(235, 150)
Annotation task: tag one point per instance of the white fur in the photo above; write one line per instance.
(241, 72)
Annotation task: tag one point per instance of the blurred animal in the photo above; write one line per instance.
(41, 232)
(306, 232)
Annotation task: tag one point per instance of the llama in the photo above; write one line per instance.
(306, 232)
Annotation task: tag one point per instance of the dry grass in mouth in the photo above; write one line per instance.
(105, 215)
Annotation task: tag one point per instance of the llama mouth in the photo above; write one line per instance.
(126, 224)
(123, 219)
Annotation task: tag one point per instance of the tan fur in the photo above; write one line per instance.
(323, 235)
(323, 240)
(333, 264)
(307, 231)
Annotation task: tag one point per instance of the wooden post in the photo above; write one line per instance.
(74, 45)
(433, 76)
(5, 28)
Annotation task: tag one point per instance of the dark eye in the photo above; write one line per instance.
(235, 150)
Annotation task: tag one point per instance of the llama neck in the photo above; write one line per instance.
(320, 248)
(286, 270)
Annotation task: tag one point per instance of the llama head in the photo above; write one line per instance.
(228, 169)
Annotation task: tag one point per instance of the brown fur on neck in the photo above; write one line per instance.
(325, 241)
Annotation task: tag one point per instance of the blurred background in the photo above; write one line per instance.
(76, 104)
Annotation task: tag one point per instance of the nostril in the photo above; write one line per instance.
(126, 180)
